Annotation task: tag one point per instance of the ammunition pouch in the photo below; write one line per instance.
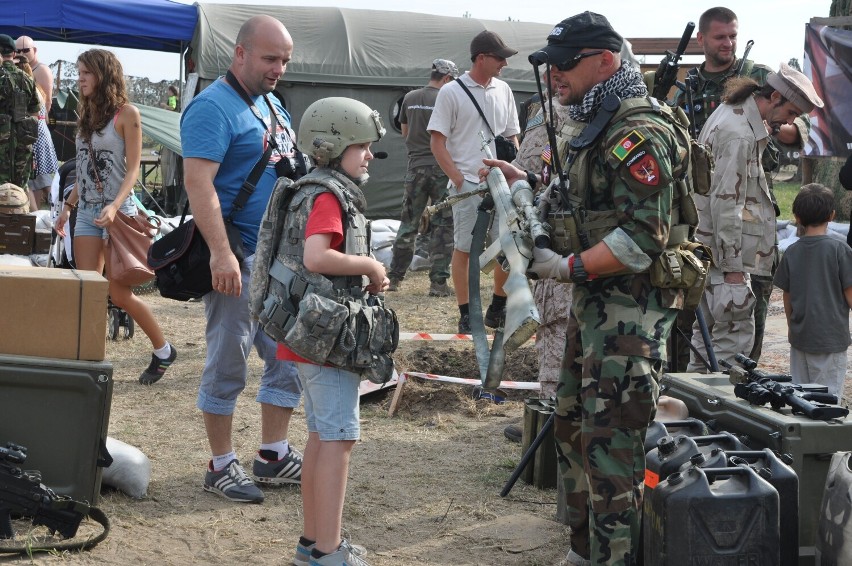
(683, 266)
(5, 128)
(702, 168)
(26, 131)
(20, 98)
(368, 338)
(316, 328)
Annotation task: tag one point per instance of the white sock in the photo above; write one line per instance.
(282, 447)
(164, 352)
(219, 462)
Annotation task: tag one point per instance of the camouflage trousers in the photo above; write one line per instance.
(762, 287)
(607, 396)
(423, 184)
(553, 301)
(729, 312)
(16, 163)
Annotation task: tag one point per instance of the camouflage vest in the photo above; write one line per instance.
(327, 320)
(596, 225)
(708, 92)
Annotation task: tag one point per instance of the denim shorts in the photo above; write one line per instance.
(84, 225)
(331, 401)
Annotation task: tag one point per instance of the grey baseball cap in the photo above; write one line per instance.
(445, 67)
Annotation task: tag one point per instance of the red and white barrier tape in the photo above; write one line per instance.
(530, 385)
(440, 337)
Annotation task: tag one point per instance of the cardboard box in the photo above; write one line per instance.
(53, 313)
(17, 233)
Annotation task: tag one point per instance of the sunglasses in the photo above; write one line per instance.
(493, 56)
(571, 63)
(25, 50)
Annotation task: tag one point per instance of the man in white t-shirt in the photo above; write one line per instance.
(455, 125)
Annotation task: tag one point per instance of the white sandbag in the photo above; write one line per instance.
(130, 470)
(12, 259)
(44, 219)
(385, 225)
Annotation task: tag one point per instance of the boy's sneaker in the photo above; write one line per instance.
(274, 472)
(232, 483)
(303, 553)
(346, 555)
(494, 317)
(157, 368)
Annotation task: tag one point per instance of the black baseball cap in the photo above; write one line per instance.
(570, 36)
(7, 44)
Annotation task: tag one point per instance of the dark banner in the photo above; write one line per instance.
(828, 63)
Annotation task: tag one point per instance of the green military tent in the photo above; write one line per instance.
(372, 56)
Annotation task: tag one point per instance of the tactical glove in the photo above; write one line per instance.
(547, 264)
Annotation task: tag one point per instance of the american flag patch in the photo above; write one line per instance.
(546, 155)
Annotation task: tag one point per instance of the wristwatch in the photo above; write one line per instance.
(575, 266)
(531, 179)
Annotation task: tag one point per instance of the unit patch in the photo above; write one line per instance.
(626, 146)
(646, 170)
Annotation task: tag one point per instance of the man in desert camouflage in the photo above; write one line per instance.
(737, 217)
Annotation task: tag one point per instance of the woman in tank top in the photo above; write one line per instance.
(109, 149)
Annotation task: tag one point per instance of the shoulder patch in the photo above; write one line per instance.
(645, 169)
(535, 121)
(627, 144)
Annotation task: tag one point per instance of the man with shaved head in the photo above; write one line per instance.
(42, 74)
(225, 131)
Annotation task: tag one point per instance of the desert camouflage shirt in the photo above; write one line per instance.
(737, 219)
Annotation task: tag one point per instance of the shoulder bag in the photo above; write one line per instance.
(506, 149)
(127, 249)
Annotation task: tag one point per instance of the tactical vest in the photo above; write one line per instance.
(327, 320)
(574, 233)
(708, 94)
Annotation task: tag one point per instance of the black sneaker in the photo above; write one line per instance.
(464, 324)
(157, 368)
(494, 317)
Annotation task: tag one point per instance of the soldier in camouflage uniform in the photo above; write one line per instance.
(620, 322)
(18, 118)
(737, 217)
(552, 298)
(424, 181)
(717, 35)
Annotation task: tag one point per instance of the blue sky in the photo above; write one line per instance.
(776, 26)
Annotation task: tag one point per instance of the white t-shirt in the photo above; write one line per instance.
(456, 117)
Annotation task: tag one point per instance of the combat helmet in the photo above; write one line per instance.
(13, 199)
(330, 125)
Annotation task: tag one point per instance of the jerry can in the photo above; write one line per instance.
(658, 429)
(670, 454)
(712, 516)
(834, 535)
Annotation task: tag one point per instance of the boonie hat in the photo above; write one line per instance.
(7, 44)
(795, 87)
(489, 42)
(445, 67)
(583, 31)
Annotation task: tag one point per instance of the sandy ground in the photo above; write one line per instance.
(423, 486)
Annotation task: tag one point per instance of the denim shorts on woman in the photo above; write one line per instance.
(85, 225)
(331, 401)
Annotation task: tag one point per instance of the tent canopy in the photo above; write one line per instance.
(157, 25)
(364, 47)
(162, 126)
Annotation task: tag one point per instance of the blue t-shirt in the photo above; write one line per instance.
(219, 126)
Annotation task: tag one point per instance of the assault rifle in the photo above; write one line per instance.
(666, 74)
(22, 494)
(759, 387)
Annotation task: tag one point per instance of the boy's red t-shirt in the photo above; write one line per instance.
(326, 217)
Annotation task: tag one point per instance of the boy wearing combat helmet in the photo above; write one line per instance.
(327, 214)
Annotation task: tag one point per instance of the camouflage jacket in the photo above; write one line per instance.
(737, 219)
(630, 175)
(18, 97)
(534, 154)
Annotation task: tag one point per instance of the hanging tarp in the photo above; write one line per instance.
(162, 126)
(828, 63)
